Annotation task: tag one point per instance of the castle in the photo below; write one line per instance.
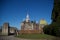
(27, 26)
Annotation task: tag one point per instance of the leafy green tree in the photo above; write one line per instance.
(54, 27)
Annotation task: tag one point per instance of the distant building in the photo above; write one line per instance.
(42, 23)
(7, 30)
(12, 31)
(28, 26)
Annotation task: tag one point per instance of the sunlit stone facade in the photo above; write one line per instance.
(28, 26)
(7, 30)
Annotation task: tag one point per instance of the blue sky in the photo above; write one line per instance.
(14, 11)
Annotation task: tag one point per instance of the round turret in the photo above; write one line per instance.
(43, 22)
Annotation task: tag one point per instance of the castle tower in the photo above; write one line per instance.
(42, 23)
(27, 18)
(5, 28)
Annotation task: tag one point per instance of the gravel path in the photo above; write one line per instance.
(15, 38)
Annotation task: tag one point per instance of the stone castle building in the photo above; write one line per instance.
(28, 26)
(7, 30)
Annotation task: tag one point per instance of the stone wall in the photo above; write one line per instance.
(30, 31)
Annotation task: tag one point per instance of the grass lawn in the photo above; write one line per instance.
(35, 36)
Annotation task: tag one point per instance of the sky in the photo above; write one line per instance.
(15, 11)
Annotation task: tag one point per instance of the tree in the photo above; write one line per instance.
(54, 27)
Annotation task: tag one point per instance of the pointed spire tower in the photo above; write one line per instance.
(27, 18)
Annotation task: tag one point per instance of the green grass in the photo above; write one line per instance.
(35, 36)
